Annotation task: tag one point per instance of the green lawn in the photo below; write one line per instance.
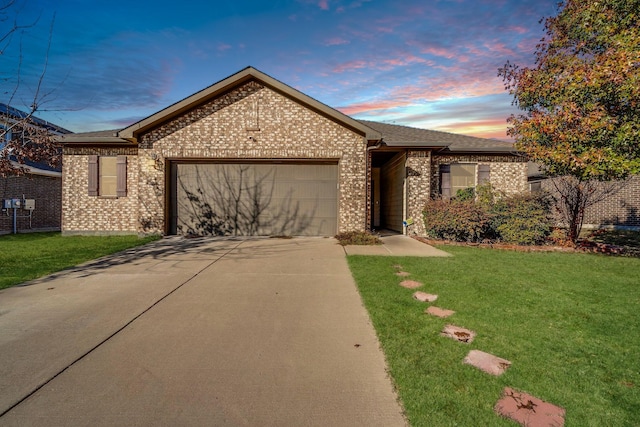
(28, 256)
(569, 323)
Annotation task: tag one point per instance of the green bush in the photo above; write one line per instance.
(463, 221)
(465, 195)
(473, 216)
(522, 219)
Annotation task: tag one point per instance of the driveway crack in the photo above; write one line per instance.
(107, 339)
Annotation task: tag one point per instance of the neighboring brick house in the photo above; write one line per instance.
(250, 155)
(620, 209)
(41, 183)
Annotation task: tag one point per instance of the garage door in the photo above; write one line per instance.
(254, 199)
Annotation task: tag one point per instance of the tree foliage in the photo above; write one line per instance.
(24, 138)
(26, 141)
(581, 100)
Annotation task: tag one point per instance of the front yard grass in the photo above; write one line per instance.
(28, 256)
(569, 323)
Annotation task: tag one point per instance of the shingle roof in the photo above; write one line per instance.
(96, 137)
(19, 114)
(405, 136)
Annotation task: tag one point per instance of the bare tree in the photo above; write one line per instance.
(573, 196)
(23, 137)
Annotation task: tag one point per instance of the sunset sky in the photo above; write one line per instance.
(430, 64)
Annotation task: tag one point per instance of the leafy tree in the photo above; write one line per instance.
(581, 100)
(23, 137)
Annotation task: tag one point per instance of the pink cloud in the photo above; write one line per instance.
(517, 29)
(323, 4)
(499, 47)
(402, 61)
(528, 45)
(335, 41)
(493, 128)
(350, 66)
(438, 51)
(365, 107)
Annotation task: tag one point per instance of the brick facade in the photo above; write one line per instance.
(250, 117)
(84, 214)
(47, 192)
(507, 173)
(418, 186)
(620, 210)
(250, 122)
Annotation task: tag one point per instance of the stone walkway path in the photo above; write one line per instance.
(527, 410)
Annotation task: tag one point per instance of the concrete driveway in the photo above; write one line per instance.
(195, 332)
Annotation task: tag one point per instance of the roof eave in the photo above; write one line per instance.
(415, 145)
(72, 140)
(481, 150)
(33, 170)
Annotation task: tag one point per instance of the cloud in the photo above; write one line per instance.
(323, 4)
(335, 41)
(350, 66)
(105, 77)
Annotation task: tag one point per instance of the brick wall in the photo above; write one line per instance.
(507, 173)
(620, 209)
(84, 214)
(252, 122)
(418, 188)
(47, 192)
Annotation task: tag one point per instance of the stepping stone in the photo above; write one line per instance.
(403, 274)
(410, 284)
(487, 362)
(528, 410)
(424, 297)
(439, 312)
(457, 333)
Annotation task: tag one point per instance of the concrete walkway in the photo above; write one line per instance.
(195, 332)
(397, 245)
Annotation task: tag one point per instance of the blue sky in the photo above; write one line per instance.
(430, 63)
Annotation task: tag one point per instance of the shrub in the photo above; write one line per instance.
(463, 221)
(357, 238)
(522, 218)
(482, 214)
(465, 195)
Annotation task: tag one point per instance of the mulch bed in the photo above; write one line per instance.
(582, 246)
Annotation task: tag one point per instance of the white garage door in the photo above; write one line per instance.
(254, 199)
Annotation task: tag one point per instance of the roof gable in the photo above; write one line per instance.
(231, 82)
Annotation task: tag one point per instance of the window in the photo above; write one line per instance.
(458, 176)
(535, 186)
(462, 176)
(108, 176)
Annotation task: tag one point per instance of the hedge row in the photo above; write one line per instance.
(484, 214)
